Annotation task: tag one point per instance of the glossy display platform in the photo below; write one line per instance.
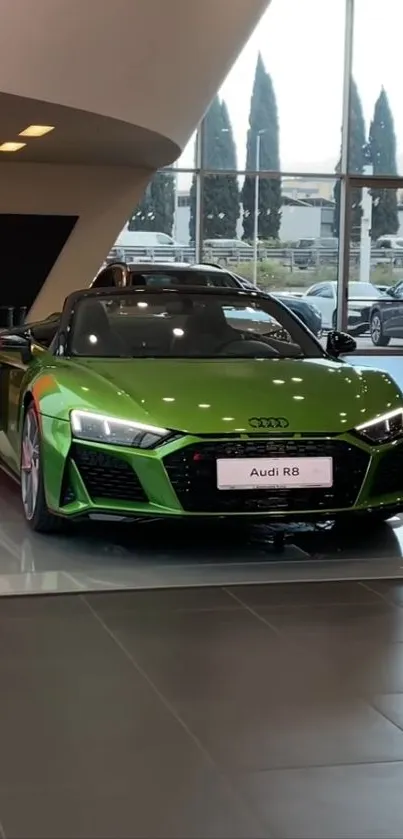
(115, 555)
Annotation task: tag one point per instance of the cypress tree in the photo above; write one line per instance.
(220, 191)
(157, 207)
(263, 120)
(356, 163)
(382, 146)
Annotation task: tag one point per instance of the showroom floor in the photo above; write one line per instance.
(247, 711)
(165, 687)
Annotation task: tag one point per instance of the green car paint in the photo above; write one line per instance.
(141, 388)
(205, 403)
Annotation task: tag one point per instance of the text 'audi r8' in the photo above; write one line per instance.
(194, 402)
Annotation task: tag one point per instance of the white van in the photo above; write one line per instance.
(137, 245)
(144, 239)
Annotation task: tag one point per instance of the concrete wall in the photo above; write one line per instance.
(151, 65)
(102, 198)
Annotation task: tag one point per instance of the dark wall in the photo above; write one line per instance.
(29, 247)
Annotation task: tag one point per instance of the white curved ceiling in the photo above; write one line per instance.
(151, 63)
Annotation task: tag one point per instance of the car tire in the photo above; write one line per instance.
(376, 330)
(34, 505)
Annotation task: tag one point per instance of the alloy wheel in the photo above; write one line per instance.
(30, 462)
(376, 329)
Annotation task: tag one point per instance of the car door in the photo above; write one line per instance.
(14, 369)
(392, 313)
(323, 297)
(12, 372)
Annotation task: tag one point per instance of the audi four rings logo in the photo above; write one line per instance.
(268, 422)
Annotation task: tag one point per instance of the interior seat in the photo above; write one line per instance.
(207, 332)
(92, 332)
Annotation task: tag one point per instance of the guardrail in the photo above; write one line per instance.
(294, 259)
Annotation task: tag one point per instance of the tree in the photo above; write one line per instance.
(356, 163)
(220, 191)
(263, 121)
(157, 207)
(382, 146)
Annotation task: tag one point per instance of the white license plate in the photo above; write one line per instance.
(273, 472)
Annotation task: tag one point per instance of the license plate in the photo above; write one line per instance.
(271, 472)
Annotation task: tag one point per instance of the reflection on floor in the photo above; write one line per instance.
(114, 556)
(246, 711)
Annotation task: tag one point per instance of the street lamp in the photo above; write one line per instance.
(176, 200)
(366, 221)
(256, 213)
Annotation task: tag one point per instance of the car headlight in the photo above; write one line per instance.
(383, 429)
(99, 428)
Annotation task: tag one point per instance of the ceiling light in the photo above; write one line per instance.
(12, 146)
(36, 130)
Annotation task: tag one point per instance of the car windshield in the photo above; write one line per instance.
(175, 324)
(363, 290)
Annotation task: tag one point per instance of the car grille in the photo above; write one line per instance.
(107, 477)
(192, 472)
(389, 473)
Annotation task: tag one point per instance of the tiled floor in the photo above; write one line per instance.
(247, 711)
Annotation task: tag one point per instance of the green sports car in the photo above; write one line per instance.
(194, 402)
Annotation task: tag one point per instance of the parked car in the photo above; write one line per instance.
(227, 245)
(306, 251)
(386, 317)
(120, 275)
(307, 312)
(392, 246)
(360, 298)
(187, 403)
(150, 275)
(159, 245)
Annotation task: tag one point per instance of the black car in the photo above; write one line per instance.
(386, 316)
(120, 275)
(307, 312)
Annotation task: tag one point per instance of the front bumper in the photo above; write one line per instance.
(179, 478)
(358, 319)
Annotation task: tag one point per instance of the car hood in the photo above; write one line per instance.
(210, 396)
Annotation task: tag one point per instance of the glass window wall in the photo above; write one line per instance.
(294, 178)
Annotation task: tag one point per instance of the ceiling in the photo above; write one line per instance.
(80, 137)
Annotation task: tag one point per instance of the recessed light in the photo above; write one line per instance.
(36, 130)
(12, 146)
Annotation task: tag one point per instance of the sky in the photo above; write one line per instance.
(302, 43)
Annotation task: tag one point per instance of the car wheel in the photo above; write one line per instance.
(376, 329)
(32, 489)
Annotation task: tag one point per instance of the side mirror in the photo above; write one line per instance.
(340, 343)
(20, 344)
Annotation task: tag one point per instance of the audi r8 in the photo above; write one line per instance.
(194, 402)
